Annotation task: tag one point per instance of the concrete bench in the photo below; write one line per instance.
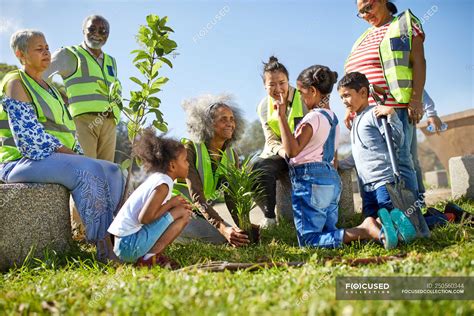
(283, 207)
(33, 215)
(283, 197)
(461, 171)
(436, 179)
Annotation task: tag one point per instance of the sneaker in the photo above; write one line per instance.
(390, 239)
(267, 223)
(403, 225)
(158, 260)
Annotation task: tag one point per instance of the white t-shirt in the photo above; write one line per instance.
(126, 222)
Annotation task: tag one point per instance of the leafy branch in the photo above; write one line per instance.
(153, 38)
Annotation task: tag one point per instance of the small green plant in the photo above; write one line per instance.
(242, 186)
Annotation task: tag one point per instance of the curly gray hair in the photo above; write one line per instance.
(201, 111)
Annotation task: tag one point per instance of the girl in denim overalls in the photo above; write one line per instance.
(316, 186)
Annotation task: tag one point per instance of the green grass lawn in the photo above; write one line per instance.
(77, 284)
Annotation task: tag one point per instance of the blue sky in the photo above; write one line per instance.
(227, 57)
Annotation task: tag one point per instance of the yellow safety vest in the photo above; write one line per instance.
(209, 179)
(50, 110)
(296, 112)
(82, 86)
(394, 54)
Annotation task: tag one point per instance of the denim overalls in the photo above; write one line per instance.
(316, 189)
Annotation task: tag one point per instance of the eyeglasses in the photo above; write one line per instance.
(366, 9)
(101, 31)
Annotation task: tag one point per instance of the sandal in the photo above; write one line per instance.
(158, 260)
(403, 225)
(388, 230)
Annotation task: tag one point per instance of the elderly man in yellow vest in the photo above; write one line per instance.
(81, 67)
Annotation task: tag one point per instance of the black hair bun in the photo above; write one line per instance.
(334, 77)
(320, 75)
(273, 59)
(392, 7)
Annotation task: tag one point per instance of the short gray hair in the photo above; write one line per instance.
(19, 40)
(200, 116)
(93, 17)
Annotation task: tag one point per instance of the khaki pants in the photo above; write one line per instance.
(97, 136)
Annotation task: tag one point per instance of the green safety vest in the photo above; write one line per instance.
(296, 112)
(209, 179)
(394, 54)
(82, 86)
(51, 112)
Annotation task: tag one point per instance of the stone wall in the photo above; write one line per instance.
(456, 140)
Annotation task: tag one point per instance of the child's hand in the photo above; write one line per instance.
(348, 118)
(280, 106)
(177, 201)
(381, 110)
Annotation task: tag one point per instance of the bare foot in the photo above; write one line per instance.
(371, 228)
(367, 230)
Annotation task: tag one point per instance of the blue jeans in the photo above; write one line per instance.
(271, 169)
(416, 164)
(375, 200)
(130, 248)
(406, 166)
(96, 185)
(316, 189)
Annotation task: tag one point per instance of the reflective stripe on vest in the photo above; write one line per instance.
(57, 119)
(4, 123)
(296, 112)
(82, 87)
(204, 167)
(209, 179)
(396, 62)
(50, 111)
(7, 141)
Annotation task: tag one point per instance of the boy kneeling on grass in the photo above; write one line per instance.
(150, 219)
(371, 157)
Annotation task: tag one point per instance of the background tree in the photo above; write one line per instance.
(5, 68)
(252, 141)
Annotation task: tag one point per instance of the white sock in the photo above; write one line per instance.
(148, 256)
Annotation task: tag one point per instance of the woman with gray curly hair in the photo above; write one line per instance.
(214, 123)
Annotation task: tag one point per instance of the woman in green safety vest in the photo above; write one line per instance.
(214, 124)
(38, 144)
(272, 161)
(391, 55)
